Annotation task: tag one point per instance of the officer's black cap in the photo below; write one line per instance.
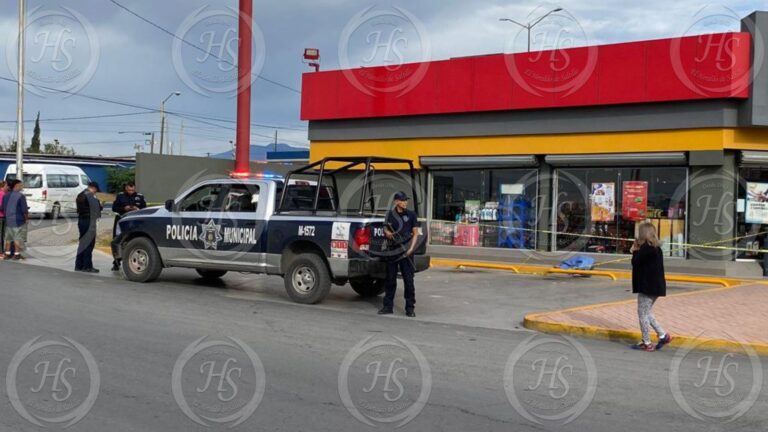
(401, 196)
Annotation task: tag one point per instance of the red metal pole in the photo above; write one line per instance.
(244, 60)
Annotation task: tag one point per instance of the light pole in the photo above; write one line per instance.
(20, 95)
(531, 25)
(162, 118)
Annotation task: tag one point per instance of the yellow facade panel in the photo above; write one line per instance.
(615, 142)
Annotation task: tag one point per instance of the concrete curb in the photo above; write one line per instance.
(538, 322)
(612, 274)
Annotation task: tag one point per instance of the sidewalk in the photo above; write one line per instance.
(724, 319)
(63, 258)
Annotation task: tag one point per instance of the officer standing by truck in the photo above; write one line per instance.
(88, 214)
(126, 202)
(401, 227)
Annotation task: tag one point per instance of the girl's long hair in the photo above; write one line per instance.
(646, 234)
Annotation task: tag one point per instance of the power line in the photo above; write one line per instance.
(173, 35)
(136, 106)
(81, 117)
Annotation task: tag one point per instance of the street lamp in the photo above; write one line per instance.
(530, 25)
(162, 118)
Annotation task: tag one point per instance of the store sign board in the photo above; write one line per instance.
(634, 205)
(603, 198)
(757, 203)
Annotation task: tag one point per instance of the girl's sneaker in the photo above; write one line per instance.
(663, 341)
(642, 346)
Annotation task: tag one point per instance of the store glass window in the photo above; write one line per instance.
(494, 208)
(752, 212)
(599, 209)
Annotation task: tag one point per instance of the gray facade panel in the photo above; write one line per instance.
(619, 118)
(711, 204)
(755, 110)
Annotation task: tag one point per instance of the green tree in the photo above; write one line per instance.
(117, 177)
(35, 147)
(56, 148)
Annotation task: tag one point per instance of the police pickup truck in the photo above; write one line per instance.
(296, 227)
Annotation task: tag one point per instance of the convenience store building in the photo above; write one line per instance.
(568, 150)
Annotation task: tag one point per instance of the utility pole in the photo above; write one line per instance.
(20, 96)
(275, 139)
(152, 144)
(167, 132)
(162, 118)
(181, 139)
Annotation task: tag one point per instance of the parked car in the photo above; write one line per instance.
(51, 189)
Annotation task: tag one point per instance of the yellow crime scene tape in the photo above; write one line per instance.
(714, 245)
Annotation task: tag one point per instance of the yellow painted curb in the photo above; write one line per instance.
(706, 344)
(612, 274)
(538, 322)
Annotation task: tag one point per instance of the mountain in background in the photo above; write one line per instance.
(259, 152)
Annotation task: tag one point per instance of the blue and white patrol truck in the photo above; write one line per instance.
(301, 228)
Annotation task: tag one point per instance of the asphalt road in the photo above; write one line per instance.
(134, 360)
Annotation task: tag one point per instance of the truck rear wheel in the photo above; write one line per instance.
(307, 279)
(141, 261)
(368, 287)
(211, 274)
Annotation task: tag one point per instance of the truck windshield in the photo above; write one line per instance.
(31, 181)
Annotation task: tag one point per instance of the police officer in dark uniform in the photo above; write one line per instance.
(127, 202)
(401, 227)
(88, 213)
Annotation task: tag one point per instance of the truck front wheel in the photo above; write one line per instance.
(307, 279)
(141, 260)
(368, 287)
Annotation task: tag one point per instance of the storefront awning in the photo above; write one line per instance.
(444, 162)
(754, 158)
(618, 159)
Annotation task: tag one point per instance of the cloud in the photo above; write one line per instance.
(136, 62)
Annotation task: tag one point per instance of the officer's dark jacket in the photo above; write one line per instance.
(88, 206)
(124, 200)
(402, 224)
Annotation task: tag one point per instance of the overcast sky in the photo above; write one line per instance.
(97, 49)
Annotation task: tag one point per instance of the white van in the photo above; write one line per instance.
(51, 189)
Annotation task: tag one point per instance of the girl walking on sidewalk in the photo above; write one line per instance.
(649, 283)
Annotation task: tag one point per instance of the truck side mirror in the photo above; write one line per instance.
(169, 205)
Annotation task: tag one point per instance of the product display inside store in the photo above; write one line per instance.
(599, 209)
(492, 208)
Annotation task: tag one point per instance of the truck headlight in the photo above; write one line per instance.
(117, 230)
